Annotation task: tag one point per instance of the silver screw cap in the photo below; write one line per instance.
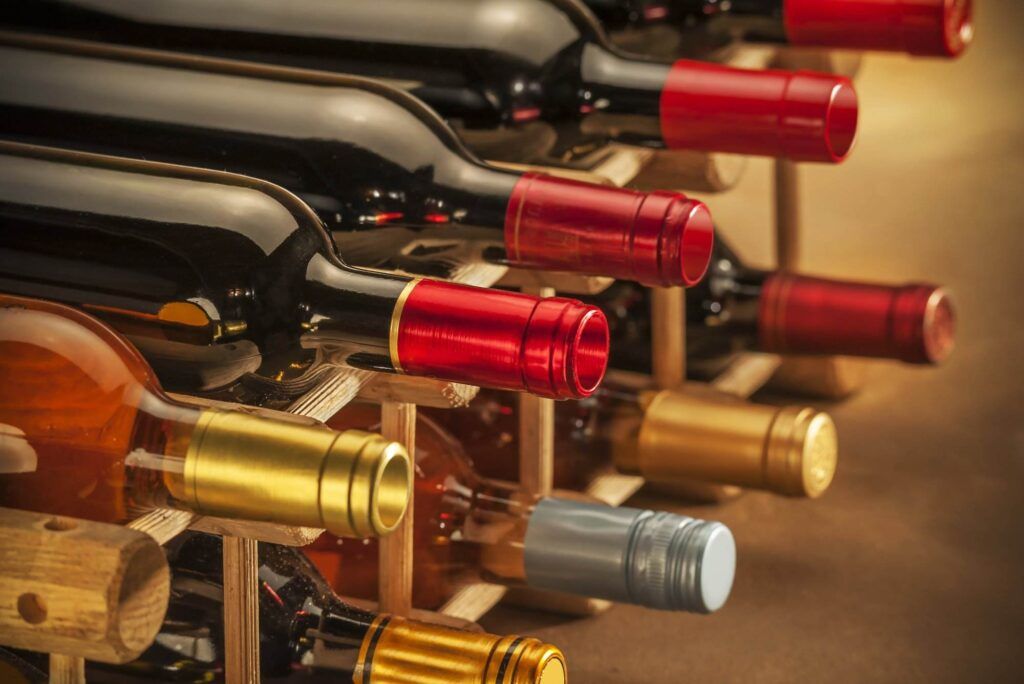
(654, 559)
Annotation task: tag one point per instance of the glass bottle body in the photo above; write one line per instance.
(377, 166)
(220, 275)
(467, 59)
(467, 529)
(85, 430)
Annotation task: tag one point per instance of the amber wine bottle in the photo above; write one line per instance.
(87, 432)
(468, 529)
(670, 437)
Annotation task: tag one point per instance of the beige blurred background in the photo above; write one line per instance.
(911, 568)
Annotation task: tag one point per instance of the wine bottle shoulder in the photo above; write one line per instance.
(180, 245)
(319, 108)
(356, 150)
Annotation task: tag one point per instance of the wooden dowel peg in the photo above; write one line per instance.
(668, 336)
(241, 611)
(787, 215)
(398, 423)
(537, 433)
(78, 588)
(536, 444)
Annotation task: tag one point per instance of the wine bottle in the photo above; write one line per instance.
(490, 63)
(297, 608)
(196, 263)
(931, 28)
(87, 432)
(389, 179)
(472, 529)
(739, 308)
(670, 437)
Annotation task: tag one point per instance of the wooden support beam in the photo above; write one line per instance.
(537, 434)
(668, 336)
(787, 215)
(65, 669)
(398, 423)
(241, 611)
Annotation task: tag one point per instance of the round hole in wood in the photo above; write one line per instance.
(32, 608)
(60, 524)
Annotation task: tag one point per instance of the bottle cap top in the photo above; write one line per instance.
(933, 28)
(803, 115)
(937, 325)
(660, 560)
(801, 452)
(673, 235)
(539, 663)
(657, 238)
(552, 347)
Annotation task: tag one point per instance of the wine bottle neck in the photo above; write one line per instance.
(351, 315)
(756, 19)
(622, 93)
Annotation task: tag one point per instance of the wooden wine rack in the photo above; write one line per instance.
(399, 397)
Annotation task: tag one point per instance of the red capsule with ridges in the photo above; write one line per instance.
(553, 347)
(912, 323)
(797, 115)
(655, 238)
(928, 28)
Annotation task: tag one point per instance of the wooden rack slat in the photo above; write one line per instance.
(65, 669)
(241, 611)
(398, 423)
(668, 336)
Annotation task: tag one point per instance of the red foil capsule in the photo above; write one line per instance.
(801, 115)
(913, 323)
(657, 238)
(552, 347)
(932, 28)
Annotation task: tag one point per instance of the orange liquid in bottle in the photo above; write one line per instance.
(467, 528)
(78, 407)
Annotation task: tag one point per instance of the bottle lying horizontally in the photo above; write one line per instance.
(670, 437)
(385, 174)
(218, 276)
(929, 28)
(471, 529)
(492, 63)
(87, 432)
(297, 609)
(738, 308)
